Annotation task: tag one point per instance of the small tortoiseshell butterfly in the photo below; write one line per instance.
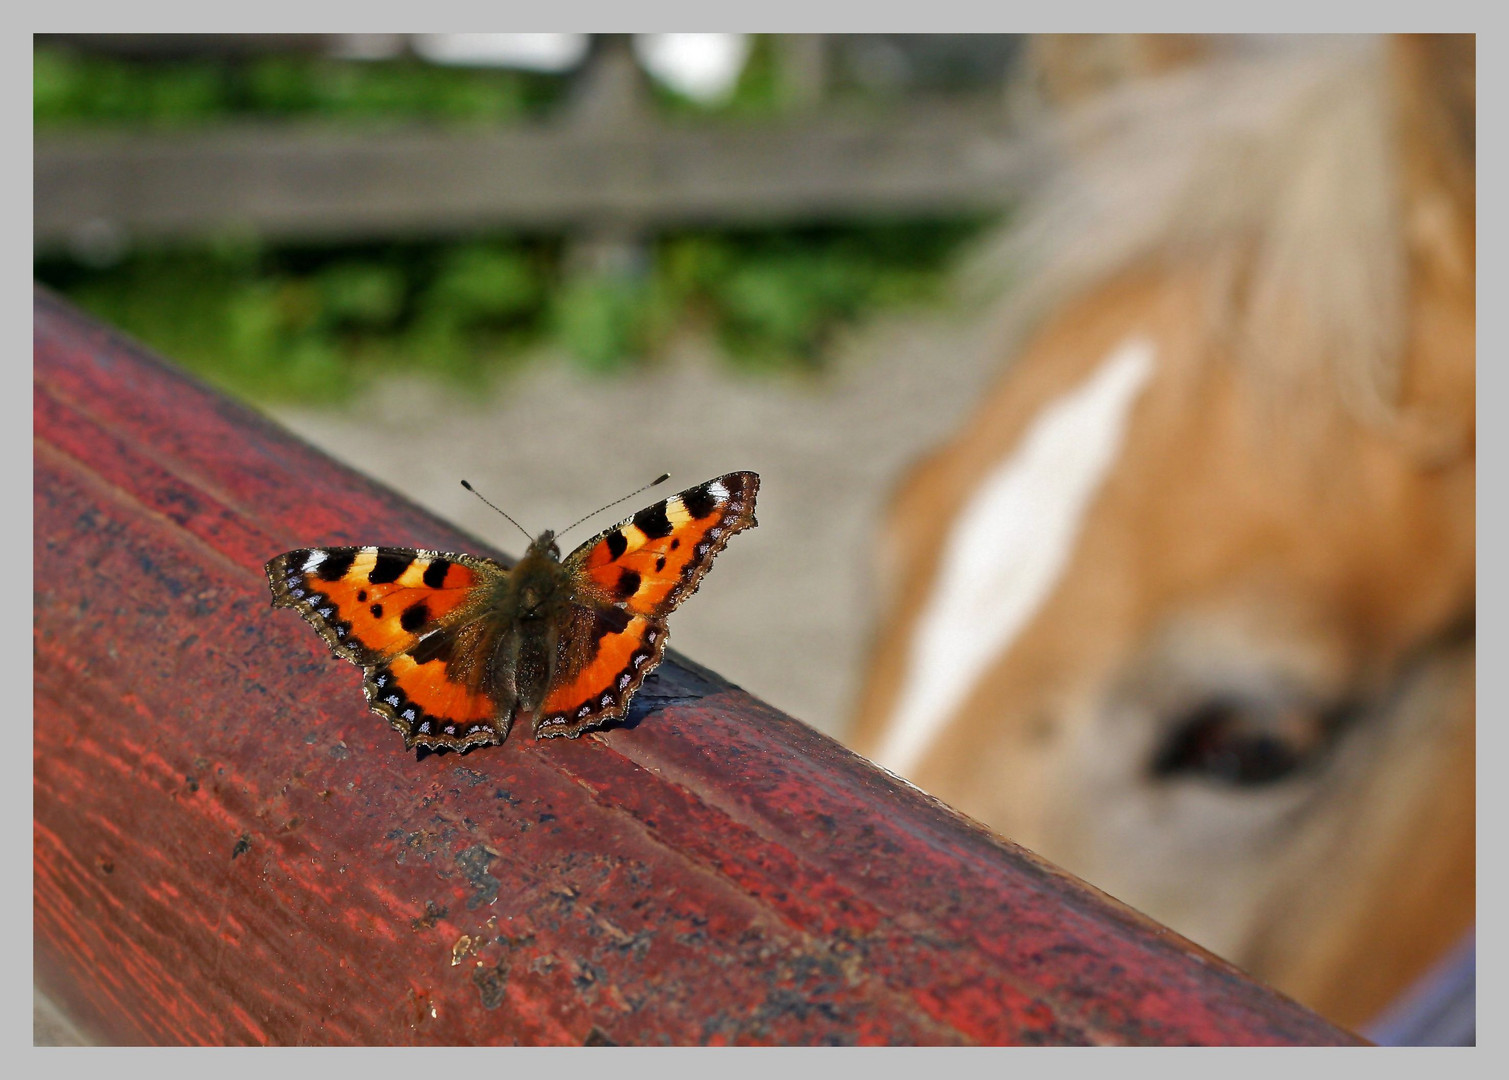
(453, 647)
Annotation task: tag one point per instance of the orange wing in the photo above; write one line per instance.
(414, 622)
(625, 582)
(650, 562)
(605, 655)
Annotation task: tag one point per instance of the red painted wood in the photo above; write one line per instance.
(229, 848)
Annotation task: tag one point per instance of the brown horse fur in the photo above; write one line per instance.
(1290, 522)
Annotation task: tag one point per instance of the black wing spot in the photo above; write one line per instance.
(414, 616)
(617, 542)
(675, 542)
(376, 611)
(334, 566)
(628, 584)
(660, 563)
(434, 574)
(389, 568)
(361, 596)
(435, 647)
(653, 522)
(610, 621)
(700, 502)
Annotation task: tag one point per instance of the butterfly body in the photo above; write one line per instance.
(454, 647)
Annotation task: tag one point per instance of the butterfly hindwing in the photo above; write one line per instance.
(604, 656)
(430, 707)
(410, 619)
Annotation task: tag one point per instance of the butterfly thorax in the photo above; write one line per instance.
(537, 585)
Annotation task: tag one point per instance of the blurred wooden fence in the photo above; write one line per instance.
(606, 164)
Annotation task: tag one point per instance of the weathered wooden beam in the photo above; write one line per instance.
(302, 183)
(229, 848)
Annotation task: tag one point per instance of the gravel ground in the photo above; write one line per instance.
(785, 613)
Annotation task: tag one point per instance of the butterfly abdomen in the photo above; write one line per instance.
(534, 609)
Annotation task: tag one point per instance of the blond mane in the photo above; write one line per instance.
(1274, 169)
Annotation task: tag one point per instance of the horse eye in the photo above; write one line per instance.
(1232, 743)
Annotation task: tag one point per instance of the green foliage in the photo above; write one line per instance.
(603, 320)
(775, 298)
(310, 323)
(72, 89)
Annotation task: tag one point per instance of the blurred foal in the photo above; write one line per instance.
(1187, 605)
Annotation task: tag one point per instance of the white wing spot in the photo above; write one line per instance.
(716, 489)
(315, 558)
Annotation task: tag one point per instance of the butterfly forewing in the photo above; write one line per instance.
(406, 617)
(652, 561)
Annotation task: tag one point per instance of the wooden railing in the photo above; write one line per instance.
(229, 848)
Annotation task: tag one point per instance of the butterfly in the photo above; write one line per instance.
(453, 647)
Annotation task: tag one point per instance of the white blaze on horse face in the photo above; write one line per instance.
(1008, 548)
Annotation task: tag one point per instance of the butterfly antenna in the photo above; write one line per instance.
(662, 478)
(484, 498)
